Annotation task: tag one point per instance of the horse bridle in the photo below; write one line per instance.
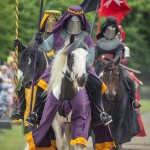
(69, 76)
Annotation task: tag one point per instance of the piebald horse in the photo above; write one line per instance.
(68, 76)
(67, 108)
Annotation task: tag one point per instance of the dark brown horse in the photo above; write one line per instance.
(117, 103)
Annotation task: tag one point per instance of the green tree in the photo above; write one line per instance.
(136, 25)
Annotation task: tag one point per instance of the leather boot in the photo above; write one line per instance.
(32, 120)
(97, 112)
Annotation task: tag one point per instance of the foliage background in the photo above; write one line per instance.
(136, 25)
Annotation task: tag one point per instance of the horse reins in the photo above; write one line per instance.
(67, 77)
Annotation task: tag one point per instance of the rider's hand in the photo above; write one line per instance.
(17, 43)
(38, 37)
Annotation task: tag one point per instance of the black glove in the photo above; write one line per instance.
(17, 43)
(21, 47)
(38, 37)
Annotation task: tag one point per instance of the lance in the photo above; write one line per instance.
(15, 97)
(35, 61)
(98, 5)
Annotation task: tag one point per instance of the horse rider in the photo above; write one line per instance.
(75, 23)
(48, 20)
(108, 44)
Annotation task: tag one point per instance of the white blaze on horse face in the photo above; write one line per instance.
(79, 66)
(29, 62)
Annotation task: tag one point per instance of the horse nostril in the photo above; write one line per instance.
(82, 80)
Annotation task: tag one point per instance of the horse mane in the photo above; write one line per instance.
(60, 61)
(41, 59)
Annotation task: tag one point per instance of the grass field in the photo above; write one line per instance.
(15, 140)
(12, 139)
(145, 106)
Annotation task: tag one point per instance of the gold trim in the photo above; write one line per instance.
(79, 140)
(104, 88)
(42, 84)
(75, 12)
(28, 101)
(32, 146)
(48, 13)
(51, 53)
(53, 143)
(104, 146)
(53, 12)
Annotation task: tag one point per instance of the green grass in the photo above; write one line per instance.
(145, 106)
(12, 139)
(15, 140)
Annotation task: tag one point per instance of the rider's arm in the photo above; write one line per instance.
(91, 51)
(47, 45)
(119, 52)
(126, 57)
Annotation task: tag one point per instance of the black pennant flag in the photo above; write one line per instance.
(90, 5)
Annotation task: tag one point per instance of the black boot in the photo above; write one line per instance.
(32, 120)
(15, 115)
(94, 90)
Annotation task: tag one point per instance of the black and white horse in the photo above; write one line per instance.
(68, 76)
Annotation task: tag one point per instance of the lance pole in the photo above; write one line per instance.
(15, 97)
(91, 32)
(35, 61)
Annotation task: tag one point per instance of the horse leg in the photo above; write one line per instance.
(67, 136)
(118, 147)
(78, 147)
(27, 147)
(58, 133)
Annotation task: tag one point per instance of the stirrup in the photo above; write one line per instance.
(106, 119)
(134, 104)
(15, 115)
(32, 120)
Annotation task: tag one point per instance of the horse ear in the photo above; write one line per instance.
(72, 38)
(117, 61)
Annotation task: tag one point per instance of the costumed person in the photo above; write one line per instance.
(125, 60)
(75, 24)
(49, 19)
(72, 23)
(109, 44)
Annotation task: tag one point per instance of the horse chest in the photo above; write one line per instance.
(61, 119)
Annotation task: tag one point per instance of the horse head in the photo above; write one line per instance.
(70, 62)
(27, 65)
(76, 53)
(111, 77)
